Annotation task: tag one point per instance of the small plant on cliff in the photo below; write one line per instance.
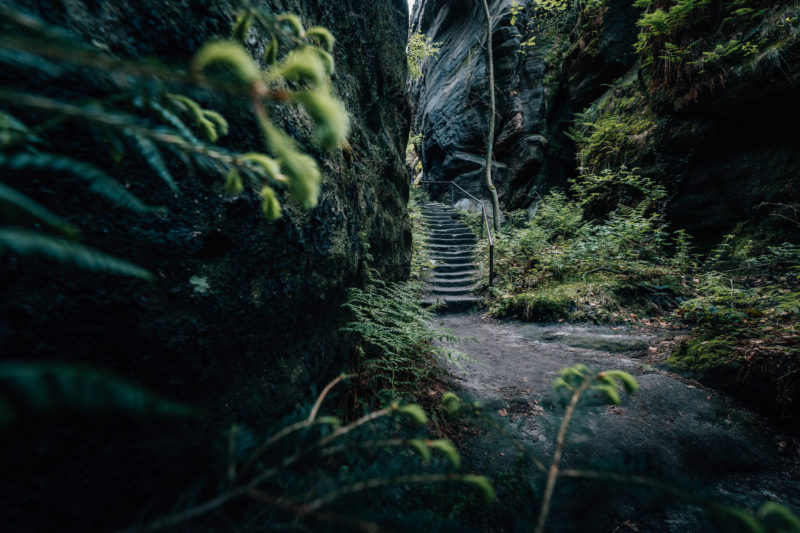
(420, 48)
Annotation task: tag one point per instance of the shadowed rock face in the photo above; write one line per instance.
(452, 98)
(243, 318)
(531, 151)
(720, 155)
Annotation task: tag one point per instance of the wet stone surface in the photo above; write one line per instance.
(673, 431)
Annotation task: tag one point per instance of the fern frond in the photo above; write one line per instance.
(101, 183)
(208, 126)
(304, 65)
(302, 170)
(322, 35)
(16, 207)
(27, 243)
(292, 22)
(449, 450)
(233, 183)
(218, 120)
(241, 27)
(152, 155)
(176, 123)
(36, 389)
(271, 53)
(230, 55)
(12, 130)
(270, 205)
(333, 123)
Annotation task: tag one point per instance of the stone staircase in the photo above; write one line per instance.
(451, 246)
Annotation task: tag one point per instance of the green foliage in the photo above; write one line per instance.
(35, 390)
(311, 469)
(611, 132)
(398, 336)
(688, 46)
(399, 344)
(32, 243)
(419, 49)
(590, 257)
(148, 108)
(16, 207)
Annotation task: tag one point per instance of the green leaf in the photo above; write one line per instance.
(271, 52)
(560, 383)
(302, 171)
(452, 403)
(449, 450)
(28, 243)
(422, 449)
(483, 484)
(322, 35)
(231, 55)
(233, 183)
(37, 389)
(265, 166)
(330, 115)
(414, 412)
(304, 65)
(293, 22)
(153, 157)
(219, 121)
(627, 381)
(101, 183)
(270, 205)
(611, 393)
(780, 515)
(241, 27)
(15, 207)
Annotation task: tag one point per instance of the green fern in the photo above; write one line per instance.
(153, 157)
(101, 183)
(38, 389)
(31, 243)
(16, 207)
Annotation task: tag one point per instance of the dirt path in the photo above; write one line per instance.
(671, 430)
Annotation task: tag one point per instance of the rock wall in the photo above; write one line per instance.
(244, 315)
(714, 138)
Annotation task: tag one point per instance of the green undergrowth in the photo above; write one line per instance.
(605, 255)
(745, 310)
(557, 262)
(398, 348)
(689, 46)
(613, 130)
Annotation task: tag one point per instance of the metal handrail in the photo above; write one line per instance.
(485, 221)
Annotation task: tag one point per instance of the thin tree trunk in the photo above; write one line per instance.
(492, 113)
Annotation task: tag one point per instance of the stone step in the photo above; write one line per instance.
(440, 290)
(455, 275)
(455, 234)
(447, 254)
(436, 263)
(448, 225)
(451, 303)
(436, 248)
(452, 267)
(458, 280)
(441, 218)
(456, 241)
